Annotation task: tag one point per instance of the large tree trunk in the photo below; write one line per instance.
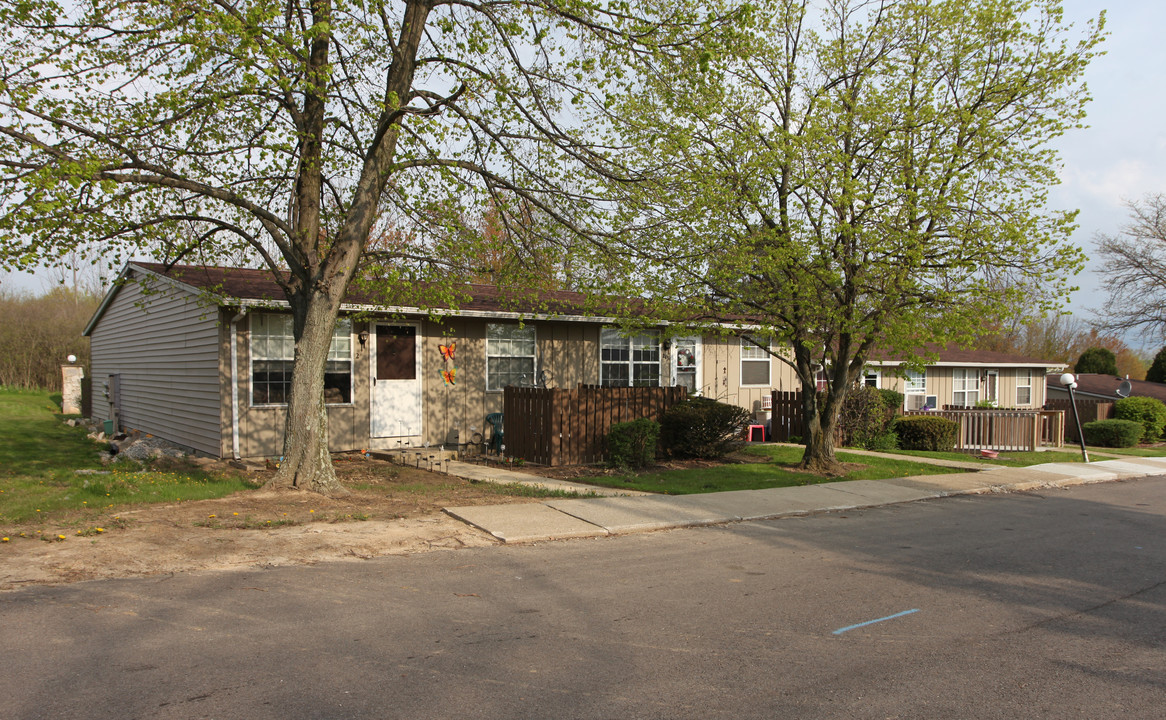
(306, 462)
(820, 413)
(819, 425)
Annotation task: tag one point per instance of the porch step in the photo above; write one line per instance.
(423, 457)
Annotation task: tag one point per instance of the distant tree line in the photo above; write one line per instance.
(38, 333)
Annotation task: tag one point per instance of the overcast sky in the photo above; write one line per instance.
(1121, 155)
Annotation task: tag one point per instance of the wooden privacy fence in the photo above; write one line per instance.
(555, 426)
(1003, 429)
(1090, 410)
(786, 421)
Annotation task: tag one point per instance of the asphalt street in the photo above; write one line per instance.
(1034, 605)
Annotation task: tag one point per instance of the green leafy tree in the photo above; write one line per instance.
(847, 176)
(317, 138)
(1157, 371)
(1097, 360)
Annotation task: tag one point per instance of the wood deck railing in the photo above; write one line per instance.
(1003, 429)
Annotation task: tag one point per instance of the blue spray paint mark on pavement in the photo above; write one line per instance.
(839, 631)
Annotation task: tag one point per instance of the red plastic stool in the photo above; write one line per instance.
(756, 427)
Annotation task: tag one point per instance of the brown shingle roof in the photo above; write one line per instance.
(1107, 385)
(952, 354)
(259, 285)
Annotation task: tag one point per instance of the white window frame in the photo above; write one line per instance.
(752, 355)
(914, 387)
(965, 382)
(1024, 373)
(633, 347)
(872, 373)
(504, 348)
(280, 329)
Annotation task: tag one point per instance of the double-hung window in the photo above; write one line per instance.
(510, 355)
(1023, 387)
(629, 361)
(915, 390)
(273, 351)
(754, 362)
(965, 387)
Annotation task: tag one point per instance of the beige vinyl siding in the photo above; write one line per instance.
(940, 382)
(165, 346)
(721, 374)
(568, 353)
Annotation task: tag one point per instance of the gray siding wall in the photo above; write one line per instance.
(165, 346)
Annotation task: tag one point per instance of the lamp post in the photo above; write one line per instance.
(1071, 382)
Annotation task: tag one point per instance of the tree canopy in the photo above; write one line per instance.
(842, 177)
(1097, 360)
(1157, 371)
(317, 138)
(1133, 271)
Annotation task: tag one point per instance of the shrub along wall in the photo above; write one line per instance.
(924, 432)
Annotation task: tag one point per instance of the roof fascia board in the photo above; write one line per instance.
(951, 363)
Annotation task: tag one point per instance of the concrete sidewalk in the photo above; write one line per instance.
(571, 518)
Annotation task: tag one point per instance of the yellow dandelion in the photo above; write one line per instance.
(210, 516)
(234, 513)
(311, 511)
(60, 537)
(3, 539)
(100, 530)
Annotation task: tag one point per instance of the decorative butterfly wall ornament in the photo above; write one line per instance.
(447, 350)
(448, 376)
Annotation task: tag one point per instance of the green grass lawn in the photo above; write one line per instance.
(1010, 459)
(1134, 451)
(777, 470)
(50, 473)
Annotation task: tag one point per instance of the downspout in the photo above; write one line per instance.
(235, 382)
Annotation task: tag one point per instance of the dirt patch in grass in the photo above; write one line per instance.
(392, 510)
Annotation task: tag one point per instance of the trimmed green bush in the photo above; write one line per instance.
(702, 428)
(926, 432)
(633, 444)
(1150, 412)
(1113, 433)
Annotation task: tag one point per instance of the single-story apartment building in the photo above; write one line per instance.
(202, 356)
(963, 378)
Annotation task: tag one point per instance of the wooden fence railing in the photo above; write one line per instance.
(555, 426)
(1003, 429)
(980, 428)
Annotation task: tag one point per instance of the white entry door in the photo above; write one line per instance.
(395, 407)
(686, 352)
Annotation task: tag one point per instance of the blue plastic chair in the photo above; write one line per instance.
(495, 441)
